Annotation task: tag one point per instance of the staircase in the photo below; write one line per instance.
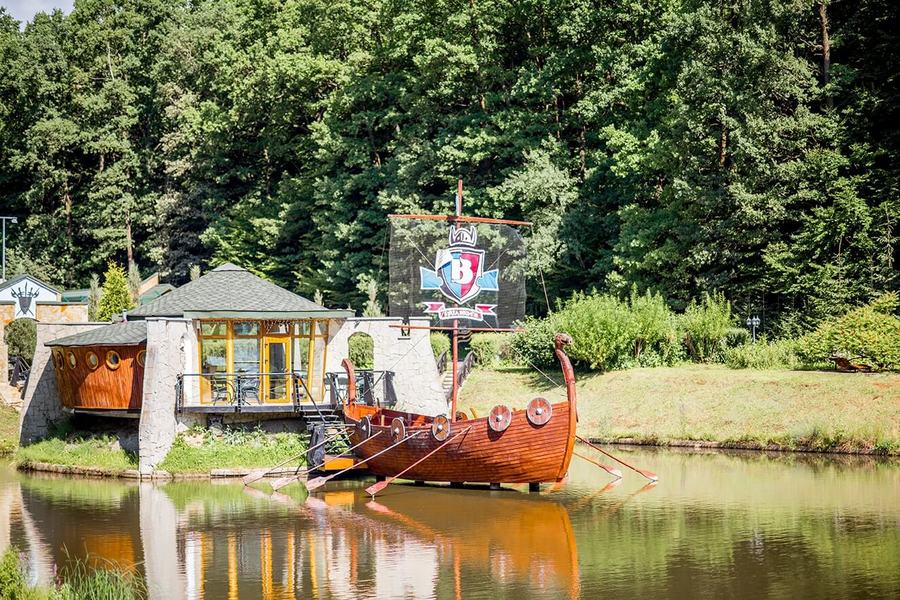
(10, 395)
(447, 379)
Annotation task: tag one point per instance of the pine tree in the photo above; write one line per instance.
(116, 295)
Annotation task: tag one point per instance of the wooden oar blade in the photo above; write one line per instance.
(376, 487)
(254, 475)
(282, 482)
(648, 474)
(314, 484)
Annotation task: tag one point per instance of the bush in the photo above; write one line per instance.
(440, 343)
(706, 327)
(534, 344)
(362, 350)
(21, 338)
(489, 348)
(779, 354)
(866, 335)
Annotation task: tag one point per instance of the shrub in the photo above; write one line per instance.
(489, 348)
(602, 329)
(706, 326)
(21, 338)
(779, 354)
(362, 350)
(440, 343)
(534, 344)
(867, 335)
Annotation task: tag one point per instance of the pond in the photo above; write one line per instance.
(737, 525)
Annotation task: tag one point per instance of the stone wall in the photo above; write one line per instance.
(169, 343)
(416, 381)
(41, 404)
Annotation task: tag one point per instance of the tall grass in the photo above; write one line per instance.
(75, 582)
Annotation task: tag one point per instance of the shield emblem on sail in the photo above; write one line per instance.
(460, 270)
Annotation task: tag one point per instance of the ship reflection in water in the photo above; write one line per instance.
(717, 525)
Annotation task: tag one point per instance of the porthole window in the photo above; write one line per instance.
(72, 360)
(58, 359)
(141, 357)
(113, 360)
(92, 360)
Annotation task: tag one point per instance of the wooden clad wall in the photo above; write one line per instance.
(101, 387)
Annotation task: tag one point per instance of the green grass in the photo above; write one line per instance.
(794, 409)
(78, 582)
(9, 430)
(78, 451)
(232, 449)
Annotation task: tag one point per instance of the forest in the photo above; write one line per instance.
(678, 147)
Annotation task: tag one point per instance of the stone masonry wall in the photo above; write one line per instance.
(416, 381)
(169, 341)
(42, 406)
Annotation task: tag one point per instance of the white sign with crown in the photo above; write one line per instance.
(459, 275)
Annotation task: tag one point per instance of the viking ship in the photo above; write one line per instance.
(530, 445)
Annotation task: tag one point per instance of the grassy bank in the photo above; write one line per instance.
(9, 430)
(200, 451)
(196, 451)
(793, 409)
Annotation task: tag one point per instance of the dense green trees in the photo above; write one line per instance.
(684, 146)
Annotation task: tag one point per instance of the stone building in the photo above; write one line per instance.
(228, 346)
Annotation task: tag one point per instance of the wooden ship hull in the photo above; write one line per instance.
(524, 452)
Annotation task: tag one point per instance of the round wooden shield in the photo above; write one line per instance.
(500, 418)
(461, 416)
(440, 428)
(364, 427)
(398, 429)
(539, 411)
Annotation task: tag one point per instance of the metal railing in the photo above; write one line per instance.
(462, 371)
(375, 388)
(442, 361)
(19, 368)
(242, 389)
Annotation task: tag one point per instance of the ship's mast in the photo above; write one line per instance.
(455, 331)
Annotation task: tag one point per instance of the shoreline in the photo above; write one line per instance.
(235, 473)
(742, 446)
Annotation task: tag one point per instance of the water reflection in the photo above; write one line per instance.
(716, 525)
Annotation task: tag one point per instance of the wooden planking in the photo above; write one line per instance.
(100, 388)
(521, 454)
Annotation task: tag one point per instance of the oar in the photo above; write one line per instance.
(380, 485)
(611, 470)
(648, 474)
(258, 474)
(318, 482)
(283, 481)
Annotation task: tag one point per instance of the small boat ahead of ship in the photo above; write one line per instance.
(476, 283)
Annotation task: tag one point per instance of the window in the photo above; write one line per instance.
(213, 328)
(246, 328)
(58, 359)
(141, 358)
(113, 360)
(277, 328)
(72, 360)
(92, 361)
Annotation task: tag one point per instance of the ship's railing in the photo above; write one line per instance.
(240, 390)
(375, 388)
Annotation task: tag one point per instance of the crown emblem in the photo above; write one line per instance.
(463, 236)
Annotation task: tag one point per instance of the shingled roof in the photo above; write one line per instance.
(129, 333)
(230, 291)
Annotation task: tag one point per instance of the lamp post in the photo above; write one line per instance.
(11, 220)
(753, 322)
